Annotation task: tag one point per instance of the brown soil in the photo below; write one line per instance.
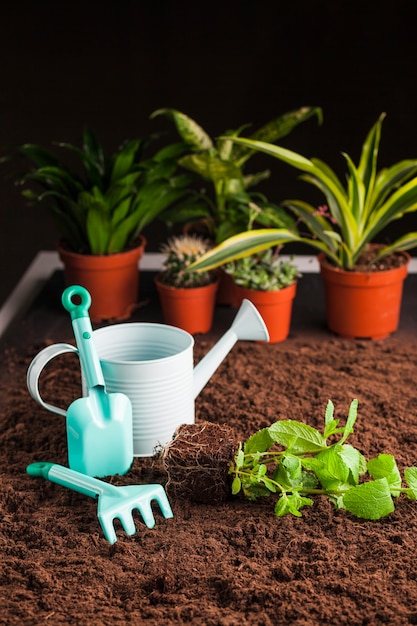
(222, 564)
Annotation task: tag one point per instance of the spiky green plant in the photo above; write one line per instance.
(102, 202)
(181, 251)
(221, 163)
(355, 213)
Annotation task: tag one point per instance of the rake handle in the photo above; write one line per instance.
(87, 485)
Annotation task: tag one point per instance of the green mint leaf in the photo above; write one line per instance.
(334, 469)
(297, 437)
(329, 413)
(253, 491)
(371, 500)
(385, 466)
(261, 441)
(355, 461)
(261, 471)
(288, 471)
(236, 485)
(292, 466)
(291, 504)
(281, 507)
(352, 415)
(331, 429)
(410, 475)
(269, 484)
(308, 481)
(239, 458)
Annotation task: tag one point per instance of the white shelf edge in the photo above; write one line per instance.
(46, 262)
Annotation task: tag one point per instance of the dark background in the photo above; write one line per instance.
(111, 63)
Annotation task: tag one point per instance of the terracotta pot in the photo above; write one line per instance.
(226, 291)
(275, 308)
(363, 305)
(112, 280)
(190, 309)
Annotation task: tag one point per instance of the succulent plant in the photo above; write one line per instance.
(181, 251)
(264, 271)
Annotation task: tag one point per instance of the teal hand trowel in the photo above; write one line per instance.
(99, 426)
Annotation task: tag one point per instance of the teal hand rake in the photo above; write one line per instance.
(113, 502)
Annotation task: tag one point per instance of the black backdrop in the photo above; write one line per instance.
(110, 63)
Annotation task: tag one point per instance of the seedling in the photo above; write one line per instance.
(306, 465)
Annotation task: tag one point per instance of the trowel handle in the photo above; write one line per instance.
(76, 481)
(83, 333)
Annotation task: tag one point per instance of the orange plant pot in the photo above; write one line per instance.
(275, 308)
(190, 309)
(363, 305)
(226, 292)
(112, 280)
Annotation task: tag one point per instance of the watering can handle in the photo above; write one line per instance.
(36, 367)
(83, 333)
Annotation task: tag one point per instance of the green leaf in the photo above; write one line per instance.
(242, 245)
(297, 437)
(191, 132)
(354, 461)
(410, 475)
(236, 485)
(385, 466)
(333, 470)
(278, 128)
(329, 413)
(98, 229)
(240, 458)
(371, 500)
(291, 504)
(352, 415)
(261, 441)
(124, 160)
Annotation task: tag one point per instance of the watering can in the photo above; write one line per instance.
(153, 365)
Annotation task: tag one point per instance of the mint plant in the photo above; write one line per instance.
(307, 465)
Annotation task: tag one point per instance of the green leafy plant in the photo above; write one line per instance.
(101, 202)
(225, 210)
(355, 213)
(307, 465)
(180, 252)
(264, 271)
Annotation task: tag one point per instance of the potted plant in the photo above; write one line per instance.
(101, 203)
(269, 282)
(187, 298)
(225, 210)
(345, 232)
(222, 163)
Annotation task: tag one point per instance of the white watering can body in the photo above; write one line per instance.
(153, 365)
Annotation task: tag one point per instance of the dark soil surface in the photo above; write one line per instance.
(222, 564)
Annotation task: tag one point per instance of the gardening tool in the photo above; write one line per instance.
(113, 502)
(153, 365)
(99, 426)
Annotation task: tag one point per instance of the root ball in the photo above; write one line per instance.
(197, 462)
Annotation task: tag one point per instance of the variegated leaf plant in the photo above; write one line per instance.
(355, 213)
(221, 162)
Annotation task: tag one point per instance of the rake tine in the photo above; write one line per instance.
(127, 521)
(157, 493)
(147, 514)
(106, 523)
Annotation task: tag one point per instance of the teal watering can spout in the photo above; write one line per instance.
(248, 325)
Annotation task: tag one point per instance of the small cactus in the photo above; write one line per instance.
(181, 251)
